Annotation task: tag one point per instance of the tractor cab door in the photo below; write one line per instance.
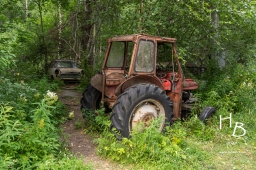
(115, 65)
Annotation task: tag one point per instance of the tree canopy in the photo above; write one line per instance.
(37, 31)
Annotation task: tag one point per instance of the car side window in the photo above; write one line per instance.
(74, 65)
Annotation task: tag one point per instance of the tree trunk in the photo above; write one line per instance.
(141, 17)
(43, 47)
(220, 57)
(86, 27)
(60, 23)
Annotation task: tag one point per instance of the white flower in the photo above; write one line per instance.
(51, 94)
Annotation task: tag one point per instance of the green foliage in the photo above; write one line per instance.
(29, 120)
(7, 43)
(233, 90)
(198, 130)
(67, 162)
(96, 121)
(26, 142)
(21, 95)
(78, 124)
(89, 72)
(151, 149)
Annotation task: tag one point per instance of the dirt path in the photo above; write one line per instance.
(79, 143)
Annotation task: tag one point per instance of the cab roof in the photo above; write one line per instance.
(135, 37)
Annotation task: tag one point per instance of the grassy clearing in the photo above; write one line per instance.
(229, 152)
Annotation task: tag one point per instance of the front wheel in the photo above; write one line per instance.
(141, 104)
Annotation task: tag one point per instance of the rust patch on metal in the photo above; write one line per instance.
(190, 84)
(114, 79)
(138, 80)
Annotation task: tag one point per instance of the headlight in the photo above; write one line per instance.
(57, 71)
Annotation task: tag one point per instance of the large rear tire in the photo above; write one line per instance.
(141, 103)
(91, 99)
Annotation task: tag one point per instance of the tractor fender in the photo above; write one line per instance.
(96, 82)
(138, 80)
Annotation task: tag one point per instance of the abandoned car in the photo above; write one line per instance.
(65, 70)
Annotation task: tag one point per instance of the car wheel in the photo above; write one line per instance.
(141, 104)
(206, 113)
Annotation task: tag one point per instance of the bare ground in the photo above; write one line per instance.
(79, 143)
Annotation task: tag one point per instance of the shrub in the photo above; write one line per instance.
(96, 121)
(233, 90)
(28, 135)
(67, 162)
(151, 149)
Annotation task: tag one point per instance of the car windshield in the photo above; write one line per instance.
(66, 64)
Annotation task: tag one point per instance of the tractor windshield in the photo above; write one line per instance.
(116, 55)
(145, 57)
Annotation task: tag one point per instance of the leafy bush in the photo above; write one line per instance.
(151, 149)
(26, 142)
(22, 96)
(96, 121)
(28, 128)
(7, 43)
(67, 162)
(233, 90)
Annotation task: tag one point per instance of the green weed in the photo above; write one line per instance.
(151, 149)
(78, 124)
(96, 121)
(67, 162)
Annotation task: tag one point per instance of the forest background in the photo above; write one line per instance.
(213, 34)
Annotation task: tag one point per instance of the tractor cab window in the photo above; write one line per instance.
(116, 55)
(164, 56)
(145, 57)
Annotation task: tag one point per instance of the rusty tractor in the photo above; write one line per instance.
(141, 80)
